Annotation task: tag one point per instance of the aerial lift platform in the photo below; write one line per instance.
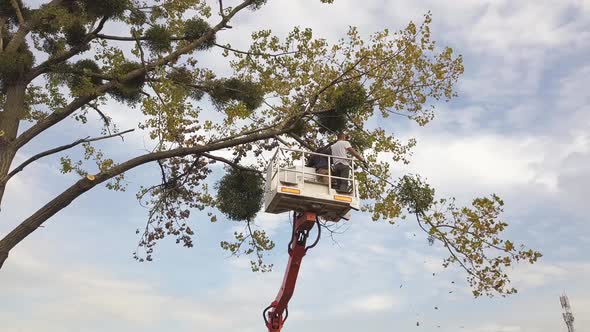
(295, 188)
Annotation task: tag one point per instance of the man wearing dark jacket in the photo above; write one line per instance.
(320, 163)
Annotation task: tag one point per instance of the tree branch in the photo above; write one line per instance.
(335, 81)
(19, 14)
(302, 142)
(2, 23)
(43, 67)
(226, 47)
(221, 8)
(105, 119)
(20, 35)
(178, 38)
(163, 172)
(56, 117)
(450, 246)
(131, 38)
(287, 144)
(475, 236)
(38, 156)
(62, 200)
(231, 163)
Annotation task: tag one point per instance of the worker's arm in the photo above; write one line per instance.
(356, 154)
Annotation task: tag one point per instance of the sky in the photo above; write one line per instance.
(519, 128)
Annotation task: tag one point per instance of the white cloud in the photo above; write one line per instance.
(498, 328)
(375, 303)
(479, 163)
(526, 277)
(506, 25)
(68, 296)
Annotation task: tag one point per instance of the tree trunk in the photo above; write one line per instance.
(10, 116)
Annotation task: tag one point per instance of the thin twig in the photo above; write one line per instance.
(221, 9)
(105, 119)
(164, 180)
(450, 246)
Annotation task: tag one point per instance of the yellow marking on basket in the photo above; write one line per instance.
(343, 198)
(290, 190)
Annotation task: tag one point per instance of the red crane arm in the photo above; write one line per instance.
(273, 314)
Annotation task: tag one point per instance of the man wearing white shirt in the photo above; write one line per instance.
(342, 166)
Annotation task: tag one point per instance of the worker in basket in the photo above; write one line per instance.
(342, 166)
(320, 163)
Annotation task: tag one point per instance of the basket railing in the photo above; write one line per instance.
(282, 155)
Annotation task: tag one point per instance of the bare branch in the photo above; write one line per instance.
(221, 8)
(253, 242)
(132, 38)
(244, 133)
(334, 228)
(105, 119)
(141, 53)
(38, 156)
(227, 47)
(164, 180)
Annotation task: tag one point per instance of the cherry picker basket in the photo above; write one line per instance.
(293, 186)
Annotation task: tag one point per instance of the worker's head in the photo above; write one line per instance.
(342, 136)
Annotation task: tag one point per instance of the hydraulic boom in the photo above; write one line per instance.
(302, 225)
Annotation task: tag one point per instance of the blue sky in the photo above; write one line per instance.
(519, 128)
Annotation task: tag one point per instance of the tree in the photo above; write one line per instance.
(56, 58)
